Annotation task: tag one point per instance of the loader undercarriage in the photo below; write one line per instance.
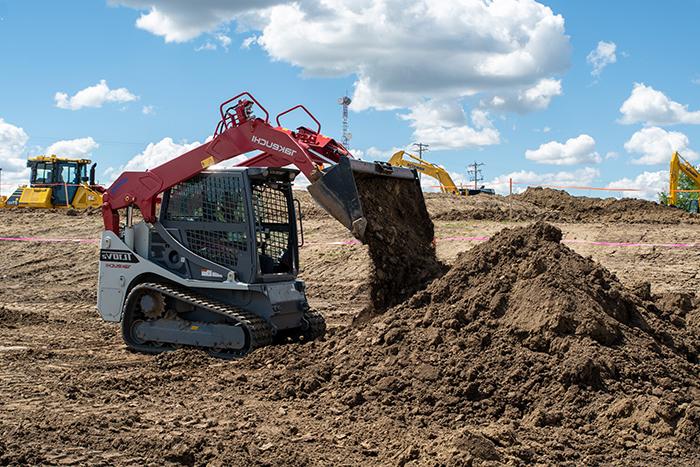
(190, 319)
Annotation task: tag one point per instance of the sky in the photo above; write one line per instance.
(544, 93)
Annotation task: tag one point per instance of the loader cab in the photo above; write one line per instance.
(241, 219)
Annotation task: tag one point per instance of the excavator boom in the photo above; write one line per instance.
(678, 165)
(447, 185)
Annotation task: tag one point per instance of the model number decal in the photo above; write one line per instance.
(118, 256)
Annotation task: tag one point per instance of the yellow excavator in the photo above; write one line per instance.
(678, 165)
(57, 182)
(447, 185)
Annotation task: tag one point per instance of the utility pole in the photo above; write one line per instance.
(345, 101)
(421, 148)
(475, 173)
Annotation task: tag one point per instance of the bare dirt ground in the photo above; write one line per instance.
(491, 389)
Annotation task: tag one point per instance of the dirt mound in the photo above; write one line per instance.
(523, 351)
(564, 207)
(400, 237)
(446, 207)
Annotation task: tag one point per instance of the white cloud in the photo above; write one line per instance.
(524, 178)
(656, 146)
(76, 148)
(148, 109)
(403, 51)
(440, 49)
(652, 107)
(443, 125)
(223, 40)
(650, 184)
(13, 141)
(93, 96)
(602, 56)
(579, 150)
(248, 42)
(184, 20)
(206, 46)
(537, 97)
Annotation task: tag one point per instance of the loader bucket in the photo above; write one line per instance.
(342, 187)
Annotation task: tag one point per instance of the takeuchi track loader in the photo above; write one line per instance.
(216, 266)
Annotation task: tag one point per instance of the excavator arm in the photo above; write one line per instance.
(447, 185)
(678, 165)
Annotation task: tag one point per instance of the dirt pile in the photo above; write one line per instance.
(559, 205)
(524, 351)
(399, 236)
(446, 207)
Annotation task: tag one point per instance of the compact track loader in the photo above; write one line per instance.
(216, 266)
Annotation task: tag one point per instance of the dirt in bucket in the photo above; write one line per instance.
(400, 238)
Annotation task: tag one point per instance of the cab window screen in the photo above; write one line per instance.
(207, 199)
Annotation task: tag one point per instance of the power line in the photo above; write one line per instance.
(421, 148)
(475, 173)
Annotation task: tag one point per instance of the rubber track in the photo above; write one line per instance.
(259, 333)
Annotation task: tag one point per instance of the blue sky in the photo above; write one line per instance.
(168, 64)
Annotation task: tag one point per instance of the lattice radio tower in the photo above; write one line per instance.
(345, 102)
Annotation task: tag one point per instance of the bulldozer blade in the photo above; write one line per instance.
(337, 190)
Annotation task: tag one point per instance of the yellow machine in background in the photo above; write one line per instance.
(447, 185)
(678, 165)
(57, 182)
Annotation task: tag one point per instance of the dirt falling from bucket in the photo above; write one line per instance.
(400, 239)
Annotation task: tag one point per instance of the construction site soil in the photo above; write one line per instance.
(531, 349)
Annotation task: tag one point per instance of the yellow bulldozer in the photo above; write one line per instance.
(447, 185)
(57, 182)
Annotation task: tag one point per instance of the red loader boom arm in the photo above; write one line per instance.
(238, 132)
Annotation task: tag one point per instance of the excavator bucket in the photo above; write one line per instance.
(343, 187)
